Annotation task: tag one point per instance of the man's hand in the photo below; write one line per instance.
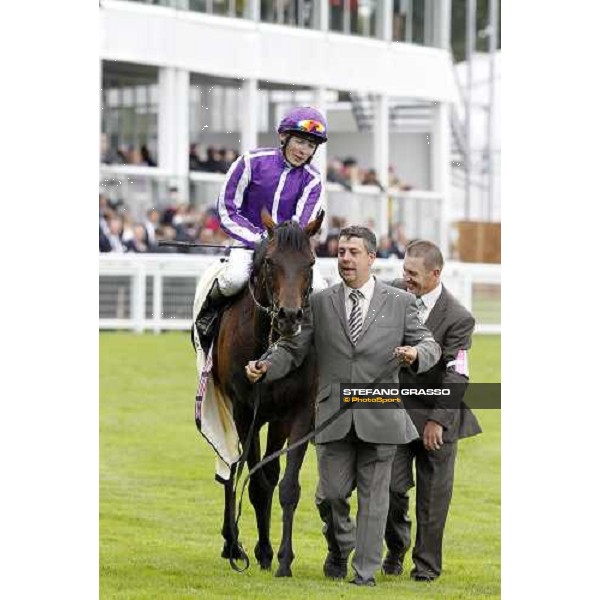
(256, 369)
(432, 436)
(406, 354)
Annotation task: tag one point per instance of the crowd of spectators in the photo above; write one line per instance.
(389, 246)
(184, 223)
(177, 222)
(345, 172)
(349, 174)
(215, 161)
(125, 155)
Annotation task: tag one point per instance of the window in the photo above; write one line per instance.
(413, 21)
(357, 17)
(299, 13)
(225, 8)
(129, 114)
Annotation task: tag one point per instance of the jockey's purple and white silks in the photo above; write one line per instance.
(260, 178)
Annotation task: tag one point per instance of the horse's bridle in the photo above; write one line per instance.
(273, 308)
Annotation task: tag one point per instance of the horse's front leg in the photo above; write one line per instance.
(231, 547)
(262, 486)
(289, 496)
(261, 496)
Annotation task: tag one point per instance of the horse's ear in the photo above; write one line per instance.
(314, 226)
(267, 221)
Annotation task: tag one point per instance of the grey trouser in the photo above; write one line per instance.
(435, 478)
(344, 465)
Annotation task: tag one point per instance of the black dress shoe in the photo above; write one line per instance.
(420, 576)
(392, 564)
(370, 582)
(335, 567)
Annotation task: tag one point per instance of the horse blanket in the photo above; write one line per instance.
(214, 412)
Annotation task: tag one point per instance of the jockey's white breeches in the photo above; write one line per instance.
(237, 272)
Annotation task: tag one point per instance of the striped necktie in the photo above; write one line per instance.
(355, 322)
(422, 309)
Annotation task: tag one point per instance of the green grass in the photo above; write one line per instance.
(161, 510)
(486, 310)
(486, 303)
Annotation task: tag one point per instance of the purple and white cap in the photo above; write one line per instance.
(307, 120)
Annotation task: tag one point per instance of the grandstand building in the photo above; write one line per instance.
(220, 73)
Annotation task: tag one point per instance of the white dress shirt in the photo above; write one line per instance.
(430, 299)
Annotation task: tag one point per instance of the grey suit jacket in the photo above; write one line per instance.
(392, 320)
(452, 326)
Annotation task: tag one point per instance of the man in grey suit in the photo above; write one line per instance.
(439, 427)
(362, 331)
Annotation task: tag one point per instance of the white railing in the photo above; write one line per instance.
(155, 292)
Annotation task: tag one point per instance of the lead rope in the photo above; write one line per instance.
(240, 467)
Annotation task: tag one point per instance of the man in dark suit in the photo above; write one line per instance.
(434, 454)
(361, 329)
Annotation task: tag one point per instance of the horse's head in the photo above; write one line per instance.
(282, 270)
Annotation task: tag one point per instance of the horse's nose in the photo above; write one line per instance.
(290, 315)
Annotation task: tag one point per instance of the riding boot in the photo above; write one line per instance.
(208, 317)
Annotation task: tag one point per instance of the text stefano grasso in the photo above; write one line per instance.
(396, 391)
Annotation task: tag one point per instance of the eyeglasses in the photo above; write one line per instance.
(310, 126)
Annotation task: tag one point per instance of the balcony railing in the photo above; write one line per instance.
(142, 188)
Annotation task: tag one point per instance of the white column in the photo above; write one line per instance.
(471, 26)
(182, 125)
(173, 125)
(323, 17)
(166, 116)
(320, 160)
(249, 118)
(381, 152)
(384, 20)
(492, 43)
(440, 169)
(252, 11)
(442, 21)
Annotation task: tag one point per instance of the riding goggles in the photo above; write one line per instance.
(310, 126)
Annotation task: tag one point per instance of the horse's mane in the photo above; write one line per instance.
(288, 235)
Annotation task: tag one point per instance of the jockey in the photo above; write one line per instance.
(280, 179)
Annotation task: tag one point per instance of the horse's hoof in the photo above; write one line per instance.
(283, 571)
(264, 556)
(227, 553)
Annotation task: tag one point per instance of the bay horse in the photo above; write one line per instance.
(271, 306)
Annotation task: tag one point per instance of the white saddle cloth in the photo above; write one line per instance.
(214, 412)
